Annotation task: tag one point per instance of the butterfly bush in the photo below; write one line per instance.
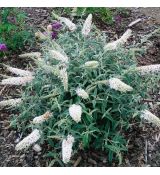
(75, 112)
(118, 85)
(87, 25)
(121, 41)
(63, 75)
(91, 95)
(17, 80)
(10, 102)
(19, 72)
(91, 64)
(30, 55)
(67, 145)
(147, 115)
(41, 118)
(150, 69)
(82, 93)
(29, 140)
(68, 23)
(58, 56)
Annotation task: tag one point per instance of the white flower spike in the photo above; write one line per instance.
(125, 36)
(67, 145)
(118, 85)
(82, 93)
(19, 72)
(150, 69)
(63, 75)
(58, 56)
(91, 64)
(42, 118)
(31, 55)
(147, 115)
(75, 111)
(17, 80)
(10, 102)
(29, 140)
(69, 23)
(87, 25)
(115, 44)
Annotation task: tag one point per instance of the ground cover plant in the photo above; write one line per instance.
(105, 15)
(13, 30)
(102, 13)
(83, 94)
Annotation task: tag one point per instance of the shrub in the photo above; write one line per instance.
(77, 88)
(13, 31)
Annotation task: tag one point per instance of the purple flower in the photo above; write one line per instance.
(118, 19)
(54, 35)
(3, 47)
(56, 25)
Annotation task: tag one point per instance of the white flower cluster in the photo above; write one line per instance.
(75, 111)
(69, 23)
(91, 64)
(19, 72)
(118, 85)
(42, 118)
(115, 44)
(29, 140)
(82, 93)
(58, 56)
(67, 145)
(64, 78)
(87, 25)
(31, 55)
(10, 102)
(150, 69)
(17, 80)
(147, 115)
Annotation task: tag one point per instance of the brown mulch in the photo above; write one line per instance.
(143, 140)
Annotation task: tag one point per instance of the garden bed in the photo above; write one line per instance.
(143, 145)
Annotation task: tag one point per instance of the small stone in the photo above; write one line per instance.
(37, 148)
(22, 156)
(36, 157)
(39, 153)
(17, 140)
(104, 161)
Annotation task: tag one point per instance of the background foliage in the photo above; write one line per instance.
(13, 30)
(103, 14)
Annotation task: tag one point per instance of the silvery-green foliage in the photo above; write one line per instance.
(106, 113)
